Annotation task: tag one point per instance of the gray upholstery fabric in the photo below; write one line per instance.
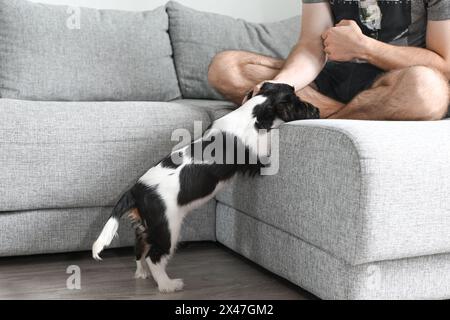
(67, 154)
(362, 191)
(216, 109)
(114, 55)
(198, 36)
(303, 263)
(62, 230)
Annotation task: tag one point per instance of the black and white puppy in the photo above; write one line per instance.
(183, 181)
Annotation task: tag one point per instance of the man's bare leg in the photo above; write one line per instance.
(234, 73)
(326, 105)
(415, 93)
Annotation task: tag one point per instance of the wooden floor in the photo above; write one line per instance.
(209, 270)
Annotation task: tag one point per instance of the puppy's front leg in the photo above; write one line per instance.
(161, 250)
(142, 271)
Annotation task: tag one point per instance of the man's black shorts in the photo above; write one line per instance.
(342, 81)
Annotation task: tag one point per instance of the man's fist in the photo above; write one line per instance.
(345, 42)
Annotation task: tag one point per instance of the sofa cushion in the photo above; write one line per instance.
(113, 55)
(76, 229)
(361, 191)
(215, 108)
(83, 154)
(198, 36)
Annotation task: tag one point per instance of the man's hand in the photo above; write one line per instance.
(345, 42)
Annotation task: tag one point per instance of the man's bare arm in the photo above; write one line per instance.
(307, 58)
(345, 42)
(436, 55)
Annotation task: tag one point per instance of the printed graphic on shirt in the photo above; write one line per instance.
(370, 14)
(385, 20)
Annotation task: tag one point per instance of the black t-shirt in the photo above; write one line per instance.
(400, 22)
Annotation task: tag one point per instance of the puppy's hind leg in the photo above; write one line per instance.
(142, 270)
(158, 270)
(141, 247)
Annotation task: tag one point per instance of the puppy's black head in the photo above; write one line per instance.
(281, 104)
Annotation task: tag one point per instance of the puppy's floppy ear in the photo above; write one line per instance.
(275, 89)
(286, 104)
(291, 108)
(286, 110)
(281, 97)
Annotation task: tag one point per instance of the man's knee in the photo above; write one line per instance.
(431, 92)
(222, 70)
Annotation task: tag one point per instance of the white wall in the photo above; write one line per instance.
(252, 10)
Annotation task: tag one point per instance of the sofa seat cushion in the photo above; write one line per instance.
(83, 154)
(362, 191)
(76, 229)
(50, 52)
(216, 109)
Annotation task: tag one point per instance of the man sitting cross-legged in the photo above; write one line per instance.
(366, 59)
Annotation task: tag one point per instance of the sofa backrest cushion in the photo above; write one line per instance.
(50, 52)
(198, 36)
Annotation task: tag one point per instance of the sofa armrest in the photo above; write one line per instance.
(360, 190)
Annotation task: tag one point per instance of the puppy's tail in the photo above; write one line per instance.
(125, 204)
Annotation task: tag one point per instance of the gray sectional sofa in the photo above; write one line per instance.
(359, 210)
